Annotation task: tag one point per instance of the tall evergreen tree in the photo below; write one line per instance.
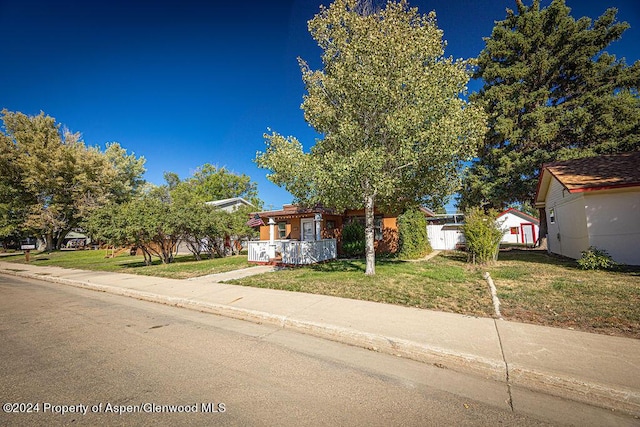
(551, 92)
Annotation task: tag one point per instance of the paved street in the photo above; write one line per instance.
(69, 349)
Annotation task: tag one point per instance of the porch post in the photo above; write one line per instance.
(318, 221)
(272, 243)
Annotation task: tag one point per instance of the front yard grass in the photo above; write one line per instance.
(184, 266)
(533, 287)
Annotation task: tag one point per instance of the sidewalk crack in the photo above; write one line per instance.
(506, 364)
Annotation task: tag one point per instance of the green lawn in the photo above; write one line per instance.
(532, 286)
(439, 284)
(537, 288)
(184, 267)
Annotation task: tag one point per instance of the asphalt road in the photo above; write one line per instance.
(120, 361)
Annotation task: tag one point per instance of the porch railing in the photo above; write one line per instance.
(293, 252)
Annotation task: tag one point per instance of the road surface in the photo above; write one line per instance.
(76, 357)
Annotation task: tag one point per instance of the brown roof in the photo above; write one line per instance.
(597, 173)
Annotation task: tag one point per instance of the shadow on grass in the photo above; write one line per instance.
(346, 265)
(156, 261)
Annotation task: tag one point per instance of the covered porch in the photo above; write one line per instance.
(298, 244)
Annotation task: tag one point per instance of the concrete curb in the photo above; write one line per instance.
(625, 400)
(442, 358)
(591, 393)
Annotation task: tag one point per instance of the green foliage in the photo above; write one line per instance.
(157, 220)
(353, 243)
(551, 92)
(596, 259)
(412, 233)
(211, 183)
(50, 181)
(388, 104)
(482, 235)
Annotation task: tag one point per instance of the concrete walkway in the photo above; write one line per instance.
(595, 369)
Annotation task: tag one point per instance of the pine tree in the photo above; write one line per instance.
(551, 92)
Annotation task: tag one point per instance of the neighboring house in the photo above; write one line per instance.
(230, 205)
(593, 201)
(307, 232)
(518, 227)
(75, 239)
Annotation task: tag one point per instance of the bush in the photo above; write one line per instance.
(412, 235)
(353, 243)
(482, 235)
(596, 259)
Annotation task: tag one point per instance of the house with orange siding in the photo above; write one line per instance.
(301, 229)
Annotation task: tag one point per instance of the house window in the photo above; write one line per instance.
(514, 230)
(377, 225)
(552, 216)
(331, 224)
(282, 230)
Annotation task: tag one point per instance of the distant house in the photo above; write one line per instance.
(230, 205)
(518, 227)
(593, 201)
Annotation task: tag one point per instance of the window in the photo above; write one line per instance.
(552, 216)
(514, 230)
(331, 224)
(282, 230)
(377, 225)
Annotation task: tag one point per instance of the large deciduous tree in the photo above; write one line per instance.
(551, 93)
(49, 179)
(388, 105)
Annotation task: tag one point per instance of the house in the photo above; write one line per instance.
(518, 227)
(593, 201)
(313, 234)
(230, 205)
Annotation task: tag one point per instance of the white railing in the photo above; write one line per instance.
(308, 252)
(292, 251)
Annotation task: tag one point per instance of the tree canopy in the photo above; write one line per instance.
(551, 92)
(387, 102)
(50, 180)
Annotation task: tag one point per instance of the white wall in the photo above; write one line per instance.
(568, 236)
(509, 220)
(613, 221)
(444, 237)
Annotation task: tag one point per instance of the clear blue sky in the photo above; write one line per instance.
(191, 82)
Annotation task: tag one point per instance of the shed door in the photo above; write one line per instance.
(528, 234)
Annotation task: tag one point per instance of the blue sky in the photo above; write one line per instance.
(191, 82)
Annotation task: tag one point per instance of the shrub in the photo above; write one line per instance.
(596, 259)
(353, 242)
(482, 235)
(412, 235)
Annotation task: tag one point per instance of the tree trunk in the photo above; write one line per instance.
(369, 234)
(543, 230)
(49, 240)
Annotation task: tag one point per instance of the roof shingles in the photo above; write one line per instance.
(593, 173)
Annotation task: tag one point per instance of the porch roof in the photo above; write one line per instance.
(292, 211)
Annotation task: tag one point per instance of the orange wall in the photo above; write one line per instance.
(389, 242)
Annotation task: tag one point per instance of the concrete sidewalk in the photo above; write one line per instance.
(595, 369)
